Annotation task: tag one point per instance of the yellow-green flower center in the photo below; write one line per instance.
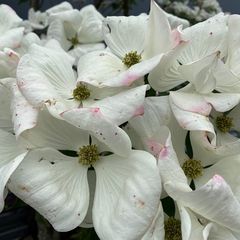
(192, 168)
(172, 229)
(74, 40)
(224, 123)
(88, 155)
(131, 58)
(81, 92)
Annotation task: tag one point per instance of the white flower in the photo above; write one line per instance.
(127, 188)
(78, 32)
(46, 78)
(201, 40)
(134, 47)
(11, 33)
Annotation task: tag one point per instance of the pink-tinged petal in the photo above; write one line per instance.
(226, 208)
(168, 164)
(135, 72)
(125, 34)
(55, 185)
(157, 113)
(123, 106)
(158, 36)
(191, 102)
(127, 195)
(92, 120)
(193, 121)
(11, 155)
(176, 36)
(228, 168)
(24, 115)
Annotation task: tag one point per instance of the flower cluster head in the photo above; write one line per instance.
(128, 124)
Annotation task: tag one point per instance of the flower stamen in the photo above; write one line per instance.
(131, 58)
(74, 40)
(224, 123)
(172, 229)
(88, 155)
(192, 168)
(81, 92)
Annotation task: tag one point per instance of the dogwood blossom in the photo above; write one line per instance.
(128, 124)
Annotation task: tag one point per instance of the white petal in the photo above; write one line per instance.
(92, 120)
(220, 233)
(165, 75)
(123, 106)
(157, 112)
(24, 115)
(190, 226)
(223, 102)
(82, 49)
(156, 230)
(11, 38)
(56, 31)
(233, 44)
(46, 77)
(106, 66)
(64, 6)
(8, 18)
(200, 73)
(55, 185)
(5, 102)
(227, 81)
(125, 34)
(127, 196)
(11, 155)
(55, 133)
(88, 222)
(205, 38)
(158, 35)
(226, 208)
(176, 21)
(90, 30)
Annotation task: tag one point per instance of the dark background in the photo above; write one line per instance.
(232, 6)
